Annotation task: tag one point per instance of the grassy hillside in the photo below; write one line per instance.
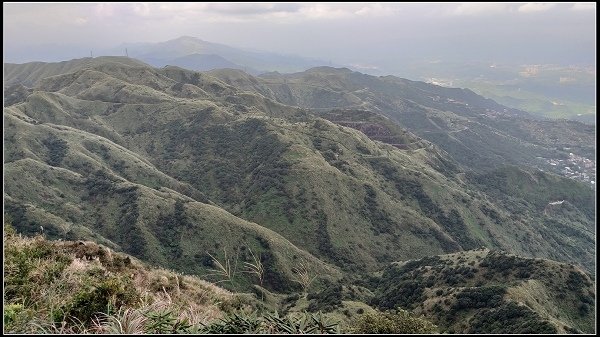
(65, 287)
(82, 287)
(68, 281)
(201, 171)
(175, 158)
(486, 291)
(475, 131)
(29, 74)
(528, 193)
(82, 186)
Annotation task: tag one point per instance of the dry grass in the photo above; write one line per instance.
(51, 288)
(303, 275)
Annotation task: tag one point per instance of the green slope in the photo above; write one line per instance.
(31, 73)
(82, 186)
(485, 291)
(477, 132)
(63, 286)
(333, 191)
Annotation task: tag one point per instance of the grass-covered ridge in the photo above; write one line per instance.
(82, 287)
(484, 291)
(338, 190)
(201, 171)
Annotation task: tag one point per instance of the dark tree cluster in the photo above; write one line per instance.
(380, 219)
(169, 227)
(327, 299)
(509, 318)
(129, 234)
(479, 297)
(99, 184)
(57, 149)
(274, 279)
(502, 263)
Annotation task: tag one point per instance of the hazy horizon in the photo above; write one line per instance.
(382, 36)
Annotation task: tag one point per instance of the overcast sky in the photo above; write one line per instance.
(343, 33)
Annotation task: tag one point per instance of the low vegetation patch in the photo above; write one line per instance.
(393, 322)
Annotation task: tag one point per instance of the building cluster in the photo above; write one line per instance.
(575, 167)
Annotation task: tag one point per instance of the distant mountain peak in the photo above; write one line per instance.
(187, 38)
(159, 54)
(328, 69)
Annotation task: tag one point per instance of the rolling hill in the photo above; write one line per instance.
(477, 132)
(339, 170)
(484, 291)
(272, 164)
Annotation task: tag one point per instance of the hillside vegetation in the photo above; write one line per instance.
(64, 287)
(48, 282)
(475, 131)
(127, 133)
(326, 175)
(484, 291)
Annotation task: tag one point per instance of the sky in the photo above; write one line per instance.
(362, 34)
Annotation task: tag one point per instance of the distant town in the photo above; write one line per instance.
(574, 167)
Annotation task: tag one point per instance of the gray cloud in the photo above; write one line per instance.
(252, 9)
(354, 33)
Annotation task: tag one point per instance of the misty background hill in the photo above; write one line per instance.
(195, 54)
(546, 90)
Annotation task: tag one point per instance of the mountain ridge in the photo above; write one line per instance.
(174, 167)
(230, 112)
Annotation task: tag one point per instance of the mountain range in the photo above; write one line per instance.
(342, 171)
(196, 54)
(546, 90)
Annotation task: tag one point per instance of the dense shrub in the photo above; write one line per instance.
(392, 322)
(509, 318)
(128, 234)
(27, 269)
(404, 294)
(400, 286)
(88, 303)
(274, 278)
(168, 227)
(502, 263)
(99, 183)
(239, 323)
(481, 297)
(57, 149)
(380, 219)
(327, 299)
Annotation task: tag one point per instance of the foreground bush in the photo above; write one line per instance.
(273, 323)
(392, 322)
(81, 287)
